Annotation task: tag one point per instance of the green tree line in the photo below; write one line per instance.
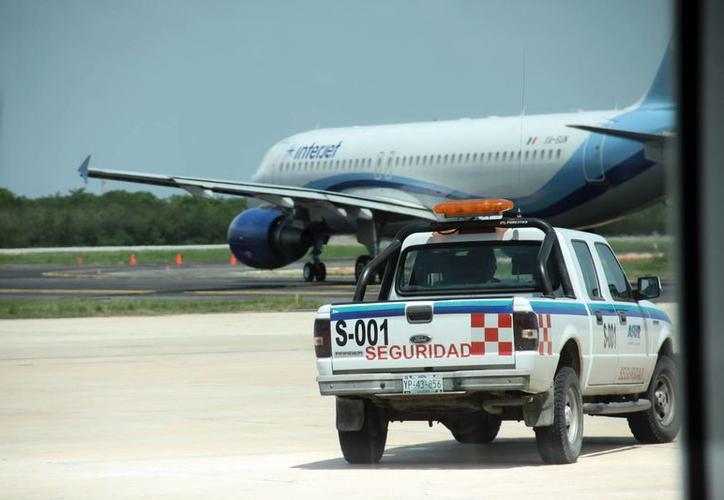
(123, 218)
(113, 218)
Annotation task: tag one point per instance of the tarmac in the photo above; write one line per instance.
(188, 281)
(194, 281)
(226, 406)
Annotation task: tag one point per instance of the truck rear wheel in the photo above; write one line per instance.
(474, 428)
(366, 445)
(661, 422)
(561, 442)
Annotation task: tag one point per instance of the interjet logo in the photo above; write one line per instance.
(314, 151)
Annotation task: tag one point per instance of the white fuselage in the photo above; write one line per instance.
(545, 166)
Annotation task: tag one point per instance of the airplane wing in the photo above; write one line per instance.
(285, 197)
(654, 144)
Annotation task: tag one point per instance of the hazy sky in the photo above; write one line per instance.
(205, 87)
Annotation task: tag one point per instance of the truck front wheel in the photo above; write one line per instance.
(366, 445)
(561, 442)
(660, 423)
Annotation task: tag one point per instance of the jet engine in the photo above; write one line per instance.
(267, 238)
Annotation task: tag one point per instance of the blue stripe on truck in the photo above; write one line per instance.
(657, 314)
(371, 311)
(473, 306)
(572, 308)
(496, 306)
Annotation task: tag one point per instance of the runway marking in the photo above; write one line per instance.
(86, 291)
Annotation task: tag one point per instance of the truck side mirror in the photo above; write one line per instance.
(649, 287)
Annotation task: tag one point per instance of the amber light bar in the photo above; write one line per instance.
(473, 208)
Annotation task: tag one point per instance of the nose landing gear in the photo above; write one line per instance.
(315, 270)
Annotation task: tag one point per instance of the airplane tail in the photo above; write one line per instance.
(662, 90)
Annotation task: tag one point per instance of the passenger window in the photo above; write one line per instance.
(558, 154)
(616, 279)
(550, 154)
(590, 277)
(497, 156)
(535, 154)
(526, 155)
(505, 153)
(460, 158)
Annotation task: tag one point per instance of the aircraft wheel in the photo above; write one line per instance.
(320, 271)
(360, 265)
(308, 272)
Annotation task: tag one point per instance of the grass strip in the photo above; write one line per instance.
(656, 266)
(78, 308)
(222, 255)
(641, 245)
(168, 257)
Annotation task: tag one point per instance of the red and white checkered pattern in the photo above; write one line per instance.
(545, 345)
(491, 334)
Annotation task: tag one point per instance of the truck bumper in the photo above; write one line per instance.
(368, 384)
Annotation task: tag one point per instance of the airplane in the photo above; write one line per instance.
(576, 169)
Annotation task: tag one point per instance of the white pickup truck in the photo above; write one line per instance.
(497, 318)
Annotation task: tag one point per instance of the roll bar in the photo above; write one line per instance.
(389, 255)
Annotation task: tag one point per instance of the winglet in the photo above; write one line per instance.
(83, 169)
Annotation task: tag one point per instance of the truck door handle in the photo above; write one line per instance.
(622, 317)
(599, 317)
(419, 314)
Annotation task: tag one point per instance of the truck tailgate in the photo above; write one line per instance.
(442, 334)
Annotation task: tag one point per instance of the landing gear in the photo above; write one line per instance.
(360, 265)
(315, 270)
(368, 231)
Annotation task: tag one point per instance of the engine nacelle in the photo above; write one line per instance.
(266, 238)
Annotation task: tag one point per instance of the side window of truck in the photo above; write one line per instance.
(585, 261)
(617, 283)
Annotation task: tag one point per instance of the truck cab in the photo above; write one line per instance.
(482, 317)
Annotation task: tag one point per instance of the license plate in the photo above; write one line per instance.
(421, 384)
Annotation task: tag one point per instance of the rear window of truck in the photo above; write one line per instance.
(468, 267)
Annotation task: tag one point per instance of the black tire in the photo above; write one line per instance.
(561, 442)
(308, 272)
(320, 271)
(474, 428)
(366, 445)
(360, 265)
(661, 422)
